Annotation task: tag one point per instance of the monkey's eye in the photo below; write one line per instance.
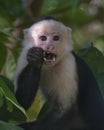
(43, 38)
(56, 38)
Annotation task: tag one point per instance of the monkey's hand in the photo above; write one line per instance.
(35, 56)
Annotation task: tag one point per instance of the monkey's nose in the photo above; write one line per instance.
(48, 48)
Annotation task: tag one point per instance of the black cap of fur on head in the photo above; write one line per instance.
(46, 18)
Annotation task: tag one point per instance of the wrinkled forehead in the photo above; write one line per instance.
(50, 26)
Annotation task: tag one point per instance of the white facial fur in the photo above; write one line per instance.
(59, 81)
(49, 29)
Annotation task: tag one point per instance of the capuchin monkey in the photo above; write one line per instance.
(47, 62)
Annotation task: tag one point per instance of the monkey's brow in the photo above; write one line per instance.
(56, 32)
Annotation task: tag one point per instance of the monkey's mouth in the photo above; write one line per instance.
(49, 57)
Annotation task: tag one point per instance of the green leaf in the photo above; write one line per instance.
(8, 126)
(12, 8)
(95, 60)
(37, 104)
(3, 55)
(12, 115)
(9, 106)
(1, 92)
(5, 21)
(10, 96)
(8, 82)
(46, 107)
(4, 37)
(11, 67)
(93, 57)
(1, 100)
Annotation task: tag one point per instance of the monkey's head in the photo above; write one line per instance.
(52, 36)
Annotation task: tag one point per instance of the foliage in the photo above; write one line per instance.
(95, 60)
(7, 126)
(87, 22)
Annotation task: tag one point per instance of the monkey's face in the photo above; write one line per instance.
(53, 38)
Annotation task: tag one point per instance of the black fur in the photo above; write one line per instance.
(90, 101)
(28, 80)
(46, 18)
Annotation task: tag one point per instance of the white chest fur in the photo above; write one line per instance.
(59, 83)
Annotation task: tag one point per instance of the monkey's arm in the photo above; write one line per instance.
(28, 79)
(91, 102)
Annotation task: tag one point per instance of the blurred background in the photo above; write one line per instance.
(85, 17)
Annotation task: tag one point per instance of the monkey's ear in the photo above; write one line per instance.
(69, 29)
(26, 33)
